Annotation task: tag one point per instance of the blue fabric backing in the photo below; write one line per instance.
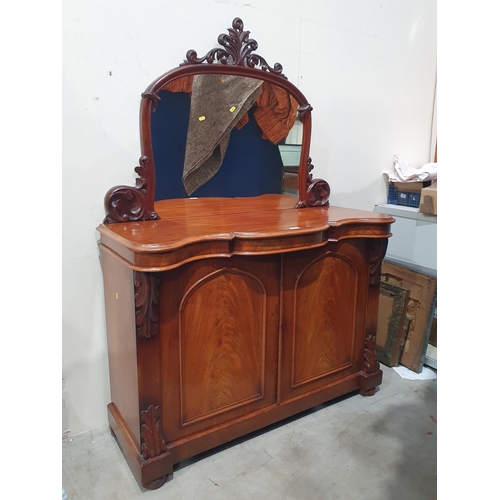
(252, 165)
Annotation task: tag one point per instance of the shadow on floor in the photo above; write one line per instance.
(247, 437)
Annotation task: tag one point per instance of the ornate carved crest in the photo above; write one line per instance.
(147, 309)
(370, 362)
(377, 252)
(238, 51)
(125, 203)
(152, 442)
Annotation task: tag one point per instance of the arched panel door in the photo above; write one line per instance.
(322, 294)
(222, 322)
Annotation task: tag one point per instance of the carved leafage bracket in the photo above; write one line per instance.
(238, 51)
(152, 442)
(377, 254)
(370, 362)
(317, 190)
(126, 203)
(378, 247)
(147, 308)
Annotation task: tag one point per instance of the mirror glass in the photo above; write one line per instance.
(225, 136)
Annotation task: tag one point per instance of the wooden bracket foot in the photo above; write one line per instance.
(369, 382)
(149, 473)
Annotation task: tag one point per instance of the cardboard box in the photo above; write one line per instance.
(412, 187)
(428, 200)
(406, 193)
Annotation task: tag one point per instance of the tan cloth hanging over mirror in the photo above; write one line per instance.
(218, 102)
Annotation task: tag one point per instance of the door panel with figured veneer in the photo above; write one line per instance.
(222, 351)
(220, 317)
(321, 296)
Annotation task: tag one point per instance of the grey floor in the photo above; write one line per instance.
(375, 448)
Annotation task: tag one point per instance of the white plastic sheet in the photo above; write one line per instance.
(425, 374)
(404, 172)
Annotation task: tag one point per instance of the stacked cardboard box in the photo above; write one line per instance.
(428, 199)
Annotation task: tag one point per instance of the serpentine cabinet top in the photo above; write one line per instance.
(195, 228)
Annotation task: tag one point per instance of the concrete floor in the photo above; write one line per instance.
(355, 448)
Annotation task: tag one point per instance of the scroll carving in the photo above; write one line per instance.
(126, 203)
(302, 111)
(310, 167)
(370, 362)
(377, 253)
(238, 51)
(318, 190)
(152, 442)
(147, 309)
(318, 193)
(153, 97)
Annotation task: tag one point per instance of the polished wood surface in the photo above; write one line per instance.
(191, 229)
(225, 315)
(222, 316)
(231, 338)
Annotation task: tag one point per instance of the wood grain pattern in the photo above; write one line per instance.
(216, 387)
(121, 339)
(322, 331)
(192, 229)
(222, 343)
(220, 346)
(323, 325)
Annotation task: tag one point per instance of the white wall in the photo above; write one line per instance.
(367, 67)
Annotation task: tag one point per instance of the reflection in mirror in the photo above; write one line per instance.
(290, 155)
(227, 136)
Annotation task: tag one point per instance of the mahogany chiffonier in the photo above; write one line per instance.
(228, 310)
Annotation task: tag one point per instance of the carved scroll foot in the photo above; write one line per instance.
(152, 464)
(369, 383)
(368, 392)
(158, 483)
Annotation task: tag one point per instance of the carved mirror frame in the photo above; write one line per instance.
(236, 57)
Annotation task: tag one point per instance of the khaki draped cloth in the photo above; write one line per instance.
(218, 104)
